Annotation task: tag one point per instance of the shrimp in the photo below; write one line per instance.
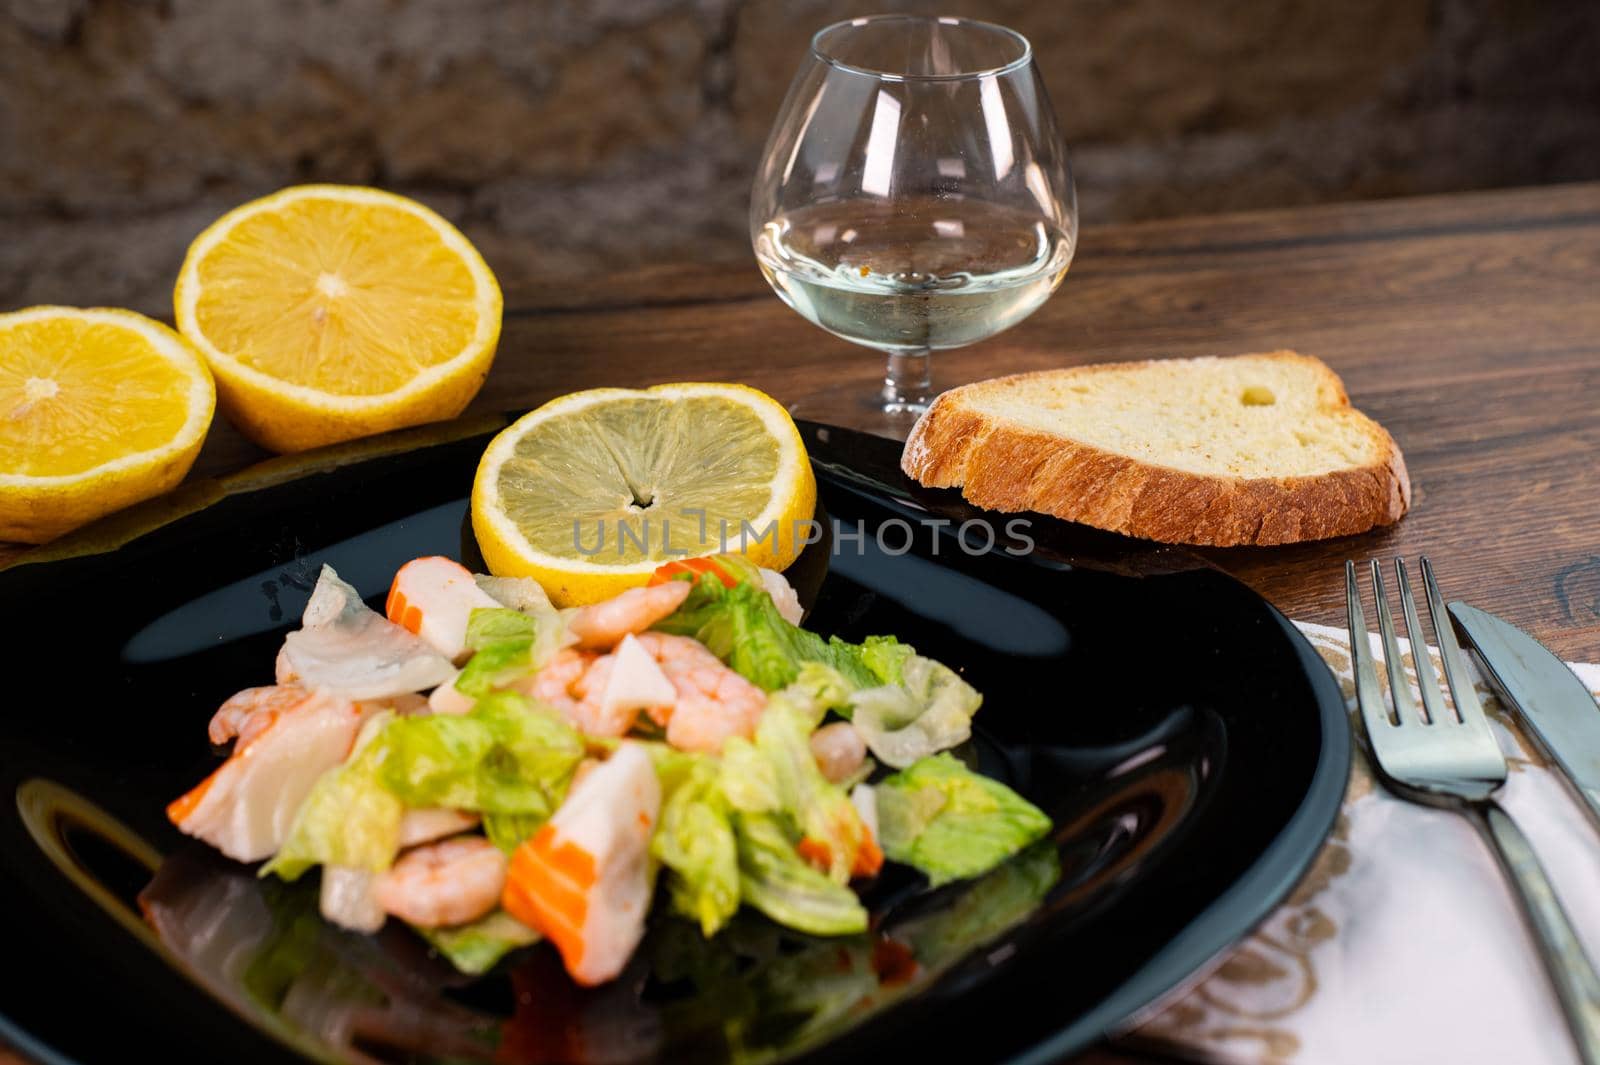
(250, 712)
(584, 878)
(601, 626)
(697, 699)
(559, 682)
(350, 896)
(713, 703)
(577, 684)
(446, 883)
(839, 750)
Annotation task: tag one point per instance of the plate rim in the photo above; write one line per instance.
(1252, 898)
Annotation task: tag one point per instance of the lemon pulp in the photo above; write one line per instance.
(641, 479)
(594, 490)
(346, 298)
(75, 395)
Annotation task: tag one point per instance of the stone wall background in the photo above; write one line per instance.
(577, 138)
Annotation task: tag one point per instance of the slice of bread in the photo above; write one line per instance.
(1251, 449)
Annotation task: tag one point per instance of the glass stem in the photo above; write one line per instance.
(908, 382)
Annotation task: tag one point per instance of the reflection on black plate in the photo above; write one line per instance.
(1189, 746)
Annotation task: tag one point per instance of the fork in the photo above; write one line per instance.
(1450, 759)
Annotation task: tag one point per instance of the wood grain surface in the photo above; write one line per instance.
(1468, 325)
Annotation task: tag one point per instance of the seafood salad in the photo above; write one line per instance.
(495, 772)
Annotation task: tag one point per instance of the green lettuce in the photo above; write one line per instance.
(507, 645)
(886, 656)
(741, 625)
(828, 820)
(909, 706)
(778, 774)
(507, 831)
(928, 709)
(504, 757)
(694, 840)
(815, 690)
(475, 948)
(348, 818)
(777, 881)
(940, 817)
(749, 782)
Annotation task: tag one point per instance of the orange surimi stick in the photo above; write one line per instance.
(246, 807)
(583, 879)
(434, 597)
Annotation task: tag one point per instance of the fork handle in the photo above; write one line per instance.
(1567, 963)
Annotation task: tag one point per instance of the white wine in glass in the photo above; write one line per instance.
(914, 194)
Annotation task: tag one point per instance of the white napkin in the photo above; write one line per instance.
(1403, 945)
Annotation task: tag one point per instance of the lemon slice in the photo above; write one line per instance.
(99, 409)
(594, 490)
(329, 312)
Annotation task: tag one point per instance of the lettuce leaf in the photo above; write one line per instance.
(504, 757)
(507, 645)
(929, 709)
(695, 841)
(475, 948)
(940, 817)
(487, 626)
(778, 774)
(886, 656)
(815, 690)
(507, 831)
(349, 818)
(749, 782)
(830, 825)
(777, 881)
(741, 625)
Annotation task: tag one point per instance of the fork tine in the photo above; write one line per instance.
(1427, 681)
(1405, 707)
(1369, 697)
(1468, 709)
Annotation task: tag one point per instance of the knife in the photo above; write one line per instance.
(1560, 715)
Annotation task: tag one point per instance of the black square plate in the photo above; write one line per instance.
(1188, 743)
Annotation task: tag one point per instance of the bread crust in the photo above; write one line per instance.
(1007, 467)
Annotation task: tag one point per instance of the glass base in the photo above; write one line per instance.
(870, 413)
(891, 411)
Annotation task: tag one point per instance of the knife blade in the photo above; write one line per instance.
(1560, 715)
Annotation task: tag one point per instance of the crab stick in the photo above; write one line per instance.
(434, 597)
(583, 879)
(246, 807)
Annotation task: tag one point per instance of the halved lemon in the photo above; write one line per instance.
(329, 312)
(99, 409)
(594, 490)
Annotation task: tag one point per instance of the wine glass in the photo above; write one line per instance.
(914, 194)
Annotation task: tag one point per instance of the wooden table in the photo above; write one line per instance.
(1468, 325)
